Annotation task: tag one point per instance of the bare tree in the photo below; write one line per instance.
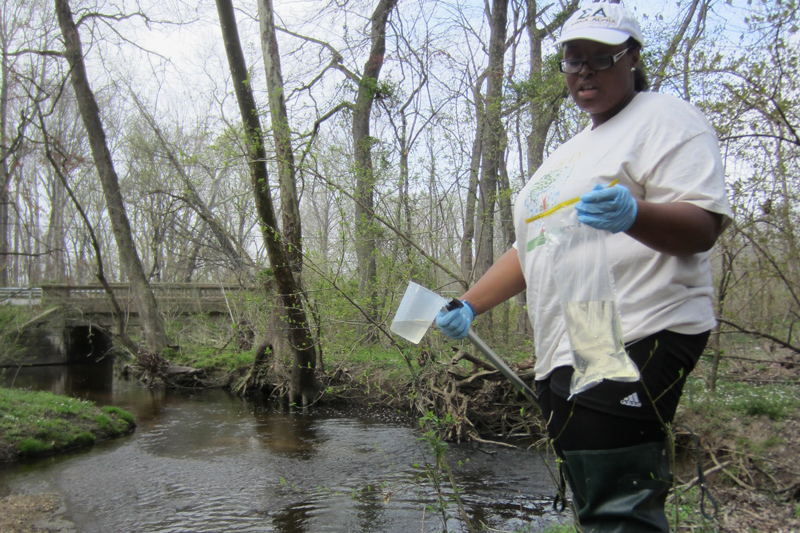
(304, 386)
(232, 251)
(152, 323)
(493, 145)
(17, 77)
(368, 90)
(290, 206)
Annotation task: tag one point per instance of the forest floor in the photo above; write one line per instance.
(751, 455)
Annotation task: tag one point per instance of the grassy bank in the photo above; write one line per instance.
(33, 424)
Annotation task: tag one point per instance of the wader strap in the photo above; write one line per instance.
(701, 479)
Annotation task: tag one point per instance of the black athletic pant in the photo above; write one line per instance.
(615, 414)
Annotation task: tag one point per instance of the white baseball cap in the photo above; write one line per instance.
(603, 22)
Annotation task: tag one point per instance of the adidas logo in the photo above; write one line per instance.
(632, 401)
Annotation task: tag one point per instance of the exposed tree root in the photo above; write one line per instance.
(259, 376)
(477, 404)
(480, 401)
(153, 368)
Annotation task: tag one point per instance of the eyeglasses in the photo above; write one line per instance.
(573, 66)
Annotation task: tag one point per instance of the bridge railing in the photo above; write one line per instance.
(190, 297)
(20, 295)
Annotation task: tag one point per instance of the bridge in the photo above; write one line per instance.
(177, 298)
(73, 333)
(183, 298)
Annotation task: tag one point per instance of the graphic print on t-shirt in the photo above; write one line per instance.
(541, 195)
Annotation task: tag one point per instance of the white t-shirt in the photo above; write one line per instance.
(663, 150)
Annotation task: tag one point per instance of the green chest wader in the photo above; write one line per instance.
(621, 490)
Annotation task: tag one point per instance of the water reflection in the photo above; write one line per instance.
(287, 432)
(78, 380)
(209, 461)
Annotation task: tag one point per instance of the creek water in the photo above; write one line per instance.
(207, 460)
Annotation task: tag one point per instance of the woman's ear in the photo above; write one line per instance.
(635, 54)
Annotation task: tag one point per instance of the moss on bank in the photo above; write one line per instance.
(34, 424)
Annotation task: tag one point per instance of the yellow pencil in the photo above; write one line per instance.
(562, 204)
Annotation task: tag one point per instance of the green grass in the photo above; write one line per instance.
(119, 413)
(210, 358)
(776, 402)
(389, 361)
(684, 510)
(35, 423)
(31, 446)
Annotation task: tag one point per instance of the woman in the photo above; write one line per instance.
(663, 218)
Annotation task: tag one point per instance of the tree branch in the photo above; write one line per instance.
(761, 334)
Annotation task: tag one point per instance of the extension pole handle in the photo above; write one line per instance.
(500, 365)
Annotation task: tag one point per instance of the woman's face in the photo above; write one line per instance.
(601, 93)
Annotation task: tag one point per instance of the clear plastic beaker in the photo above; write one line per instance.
(416, 312)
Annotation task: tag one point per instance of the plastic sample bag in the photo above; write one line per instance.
(585, 285)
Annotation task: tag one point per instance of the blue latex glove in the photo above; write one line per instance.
(610, 208)
(455, 323)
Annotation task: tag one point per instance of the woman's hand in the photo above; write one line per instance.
(609, 208)
(455, 323)
(674, 228)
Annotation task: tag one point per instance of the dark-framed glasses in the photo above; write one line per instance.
(573, 66)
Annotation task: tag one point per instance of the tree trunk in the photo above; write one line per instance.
(304, 385)
(116, 309)
(544, 109)
(55, 269)
(669, 54)
(290, 206)
(152, 322)
(403, 201)
(509, 236)
(467, 264)
(5, 177)
(493, 142)
(366, 245)
(724, 277)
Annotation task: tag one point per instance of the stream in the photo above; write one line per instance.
(207, 460)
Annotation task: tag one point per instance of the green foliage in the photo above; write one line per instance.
(773, 401)
(210, 358)
(387, 361)
(41, 422)
(11, 318)
(377, 88)
(439, 473)
(103, 421)
(120, 413)
(432, 427)
(33, 446)
(169, 353)
(84, 438)
(265, 275)
(683, 509)
(541, 88)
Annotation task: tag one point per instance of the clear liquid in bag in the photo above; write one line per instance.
(597, 348)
